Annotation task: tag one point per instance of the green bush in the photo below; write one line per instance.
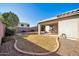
(9, 32)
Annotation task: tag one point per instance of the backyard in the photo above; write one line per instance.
(66, 47)
(36, 44)
(21, 40)
(8, 48)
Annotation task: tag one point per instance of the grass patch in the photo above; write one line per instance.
(26, 45)
(47, 42)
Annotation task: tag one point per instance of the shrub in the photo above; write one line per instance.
(5, 39)
(9, 32)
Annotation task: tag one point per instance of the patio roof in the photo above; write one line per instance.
(63, 15)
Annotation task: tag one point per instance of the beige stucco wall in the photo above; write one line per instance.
(1, 31)
(70, 27)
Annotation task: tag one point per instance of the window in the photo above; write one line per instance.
(22, 24)
(28, 25)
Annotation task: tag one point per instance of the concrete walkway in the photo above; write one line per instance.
(68, 47)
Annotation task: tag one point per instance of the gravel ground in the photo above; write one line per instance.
(7, 49)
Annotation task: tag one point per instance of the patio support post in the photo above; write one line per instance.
(39, 29)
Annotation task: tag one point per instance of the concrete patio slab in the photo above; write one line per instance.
(68, 47)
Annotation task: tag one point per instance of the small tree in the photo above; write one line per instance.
(11, 19)
(2, 19)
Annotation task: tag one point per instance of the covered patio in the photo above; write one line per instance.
(48, 27)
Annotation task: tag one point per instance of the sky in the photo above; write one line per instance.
(32, 13)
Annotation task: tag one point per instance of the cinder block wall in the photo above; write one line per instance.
(1, 31)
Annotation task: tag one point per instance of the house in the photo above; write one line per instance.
(64, 24)
(33, 29)
(1, 31)
(22, 27)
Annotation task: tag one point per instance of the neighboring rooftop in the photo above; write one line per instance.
(24, 23)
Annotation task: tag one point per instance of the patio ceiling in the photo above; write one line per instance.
(50, 22)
